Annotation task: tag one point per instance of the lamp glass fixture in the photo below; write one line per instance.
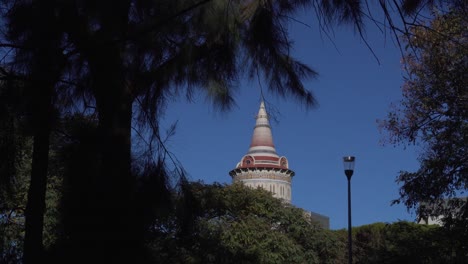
(348, 162)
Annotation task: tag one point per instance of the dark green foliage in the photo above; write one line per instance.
(34, 27)
(405, 242)
(13, 204)
(236, 224)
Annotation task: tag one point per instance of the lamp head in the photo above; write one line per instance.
(348, 162)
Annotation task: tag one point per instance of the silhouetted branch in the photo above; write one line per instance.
(15, 46)
(161, 142)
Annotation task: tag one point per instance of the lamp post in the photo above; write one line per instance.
(349, 169)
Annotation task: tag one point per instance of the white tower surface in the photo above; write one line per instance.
(261, 166)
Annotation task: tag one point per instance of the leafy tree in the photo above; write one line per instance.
(13, 202)
(66, 154)
(33, 27)
(403, 242)
(434, 113)
(13, 198)
(237, 224)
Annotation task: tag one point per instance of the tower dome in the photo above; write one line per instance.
(262, 166)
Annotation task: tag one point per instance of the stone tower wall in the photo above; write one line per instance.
(278, 182)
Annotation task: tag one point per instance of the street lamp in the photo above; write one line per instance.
(349, 169)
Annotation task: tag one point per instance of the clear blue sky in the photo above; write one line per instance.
(353, 91)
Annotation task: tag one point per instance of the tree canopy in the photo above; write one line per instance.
(236, 224)
(434, 114)
(405, 242)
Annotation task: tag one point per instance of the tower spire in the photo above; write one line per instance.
(262, 138)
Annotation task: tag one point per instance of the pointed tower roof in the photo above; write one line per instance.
(262, 152)
(262, 139)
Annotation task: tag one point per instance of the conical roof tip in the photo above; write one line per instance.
(262, 139)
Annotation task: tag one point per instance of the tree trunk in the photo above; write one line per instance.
(44, 68)
(116, 183)
(113, 229)
(35, 207)
(108, 230)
